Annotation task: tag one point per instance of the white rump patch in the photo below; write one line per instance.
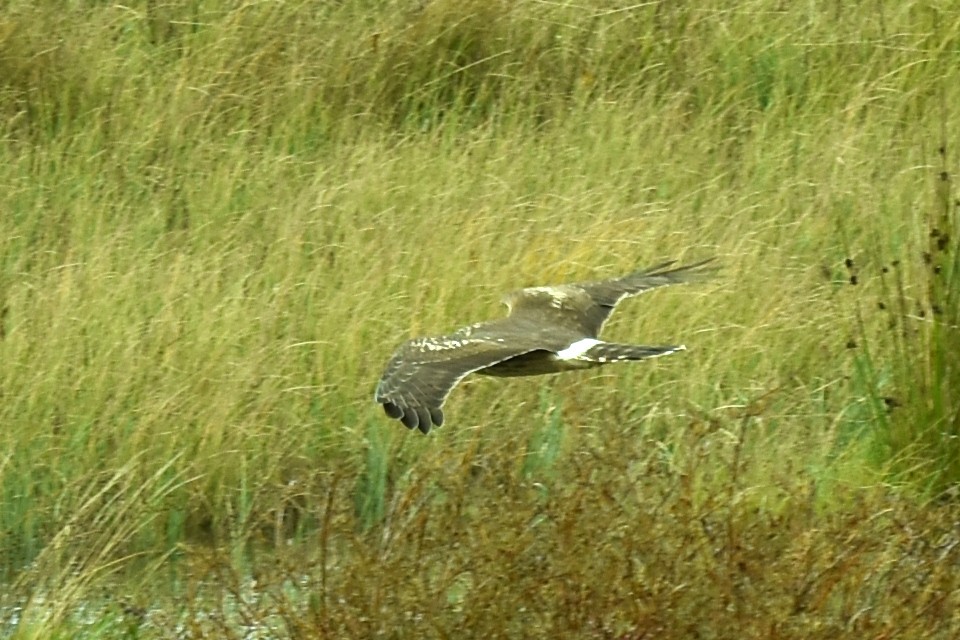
(577, 349)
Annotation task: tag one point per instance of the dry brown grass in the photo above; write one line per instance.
(637, 543)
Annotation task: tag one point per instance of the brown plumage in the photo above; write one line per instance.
(548, 330)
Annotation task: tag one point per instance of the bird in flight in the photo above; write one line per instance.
(547, 330)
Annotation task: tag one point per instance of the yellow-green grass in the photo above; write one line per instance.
(218, 222)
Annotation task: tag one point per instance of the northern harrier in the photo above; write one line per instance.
(547, 330)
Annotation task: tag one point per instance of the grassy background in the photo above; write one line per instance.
(219, 220)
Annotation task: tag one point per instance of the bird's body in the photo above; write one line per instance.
(548, 330)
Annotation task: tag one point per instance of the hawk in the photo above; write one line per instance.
(547, 330)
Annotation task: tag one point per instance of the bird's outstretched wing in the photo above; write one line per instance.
(422, 372)
(609, 292)
(589, 304)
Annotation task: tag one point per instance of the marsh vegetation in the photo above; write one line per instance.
(219, 219)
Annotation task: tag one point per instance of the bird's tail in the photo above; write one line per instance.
(603, 352)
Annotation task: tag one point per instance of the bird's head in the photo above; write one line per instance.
(541, 298)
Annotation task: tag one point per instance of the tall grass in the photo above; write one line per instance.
(909, 371)
(219, 220)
